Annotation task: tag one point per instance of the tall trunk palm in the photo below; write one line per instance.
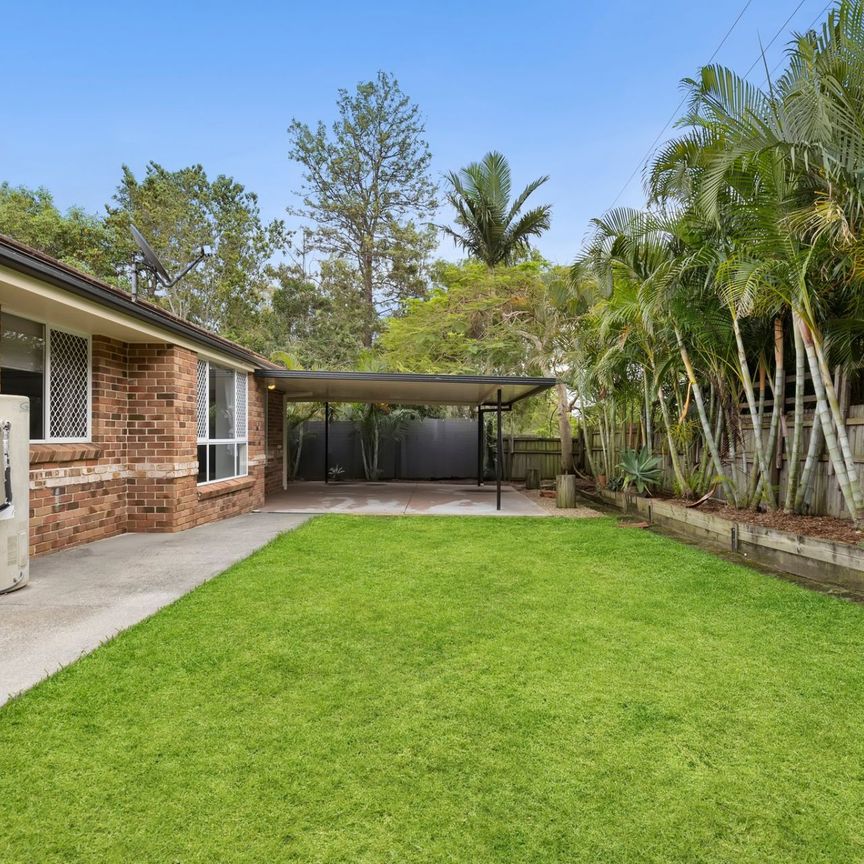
(779, 405)
(780, 171)
(683, 485)
(710, 441)
(493, 228)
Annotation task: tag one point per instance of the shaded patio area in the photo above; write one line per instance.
(486, 394)
(401, 498)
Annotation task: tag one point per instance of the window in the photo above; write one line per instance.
(222, 443)
(52, 368)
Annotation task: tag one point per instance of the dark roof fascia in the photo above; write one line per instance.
(61, 278)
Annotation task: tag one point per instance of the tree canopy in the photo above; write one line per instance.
(75, 237)
(367, 192)
(180, 211)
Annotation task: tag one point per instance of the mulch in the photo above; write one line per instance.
(820, 527)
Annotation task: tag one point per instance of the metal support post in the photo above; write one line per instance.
(326, 442)
(479, 446)
(499, 468)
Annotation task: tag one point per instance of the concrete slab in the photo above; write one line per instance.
(401, 498)
(80, 597)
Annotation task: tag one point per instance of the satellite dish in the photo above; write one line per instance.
(150, 262)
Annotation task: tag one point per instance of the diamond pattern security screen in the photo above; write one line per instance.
(240, 389)
(222, 422)
(68, 376)
(202, 398)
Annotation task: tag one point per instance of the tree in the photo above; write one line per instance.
(465, 325)
(549, 326)
(337, 336)
(75, 237)
(753, 234)
(367, 190)
(377, 422)
(504, 320)
(180, 211)
(801, 137)
(493, 231)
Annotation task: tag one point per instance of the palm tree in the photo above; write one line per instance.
(493, 231)
(803, 137)
(659, 253)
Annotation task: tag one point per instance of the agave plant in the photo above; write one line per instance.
(640, 468)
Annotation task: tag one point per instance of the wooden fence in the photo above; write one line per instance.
(525, 451)
(827, 498)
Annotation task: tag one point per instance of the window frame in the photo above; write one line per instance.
(237, 441)
(46, 379)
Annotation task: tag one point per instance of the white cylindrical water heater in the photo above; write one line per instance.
(14, 492)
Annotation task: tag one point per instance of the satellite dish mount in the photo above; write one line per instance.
(148, 262)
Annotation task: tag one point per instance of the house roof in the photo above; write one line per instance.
(301, 386)
(32, 262)
(403, 388)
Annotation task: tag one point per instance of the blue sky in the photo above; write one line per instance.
(575, 90)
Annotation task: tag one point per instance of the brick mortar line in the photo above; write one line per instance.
(54, 477)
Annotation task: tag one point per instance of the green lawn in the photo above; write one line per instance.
(445, 690)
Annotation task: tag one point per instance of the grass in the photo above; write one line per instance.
(454, 690)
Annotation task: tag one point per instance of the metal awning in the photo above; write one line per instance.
(488, 393)
(399, 388)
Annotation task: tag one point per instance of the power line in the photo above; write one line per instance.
(755, 63)
(674, 114)
(810, 26)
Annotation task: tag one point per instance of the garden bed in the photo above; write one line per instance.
(821, 527)
(547, 502)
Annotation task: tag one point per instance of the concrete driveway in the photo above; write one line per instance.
(80, 597)
(400, 498)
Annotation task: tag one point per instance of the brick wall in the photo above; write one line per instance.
(161, 438)
(78, 491)
(275, 418)
(139, 472)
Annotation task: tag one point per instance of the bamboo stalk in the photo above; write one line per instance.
(696, 390)
(755, 415)
(793, 458)
(823, 409)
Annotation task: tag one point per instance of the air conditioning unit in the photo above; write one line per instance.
(14, 492)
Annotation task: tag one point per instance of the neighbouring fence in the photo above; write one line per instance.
(431, 449)
(827, 498)
(522, 452)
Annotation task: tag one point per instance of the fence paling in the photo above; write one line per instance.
(827, 496)
(522, 452)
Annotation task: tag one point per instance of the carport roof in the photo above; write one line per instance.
(402, 388)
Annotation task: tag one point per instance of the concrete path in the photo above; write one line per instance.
(80, 597)
(401, 498)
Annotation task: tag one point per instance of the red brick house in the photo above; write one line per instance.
(140, 421)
